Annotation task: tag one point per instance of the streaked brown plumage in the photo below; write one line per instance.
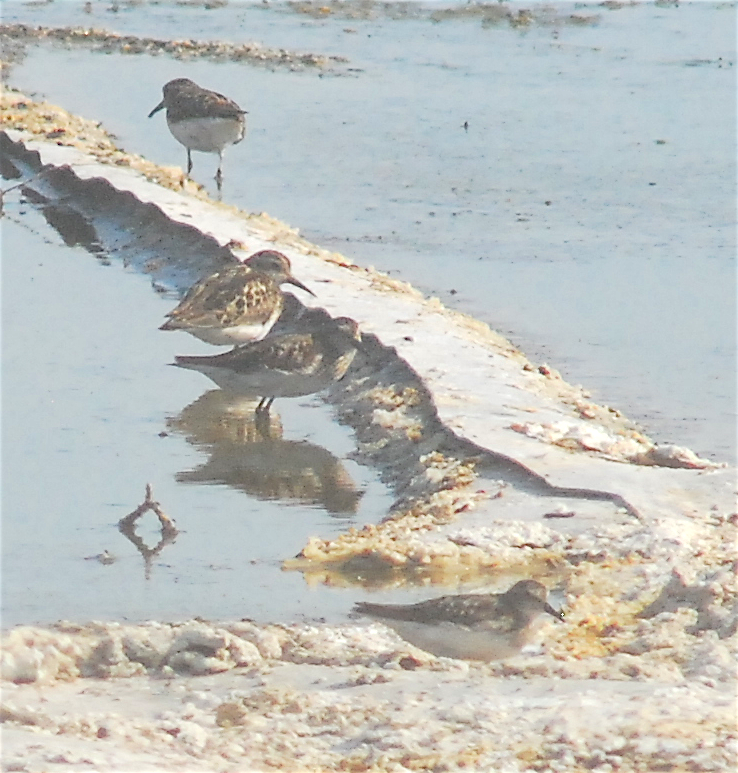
(238, 304)
(201, 119)
(489, 626)
(287, 365)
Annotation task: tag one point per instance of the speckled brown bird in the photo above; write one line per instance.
(484, 626)
(287, 365)
(201, 119)
(238, 304)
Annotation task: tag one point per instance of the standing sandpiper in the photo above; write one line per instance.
(489, 626)
(287, 365)
(238, 304)
(201, 120)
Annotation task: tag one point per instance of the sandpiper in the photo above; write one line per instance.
(286, 365)
(238, 304)
(490, 626)
(201, 120)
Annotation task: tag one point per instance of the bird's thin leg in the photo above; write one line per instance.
(219, 173)
(189, 162)
(264, 405)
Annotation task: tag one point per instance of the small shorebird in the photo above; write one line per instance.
(201, 120)
(238, 304)
(490, 626)
(286, 365)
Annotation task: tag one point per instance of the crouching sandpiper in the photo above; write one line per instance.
(473, 626)
(286, 365)
(237, 304)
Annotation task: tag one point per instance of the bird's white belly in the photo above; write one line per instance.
(230, 336)
(208, 135)
(267, 383)
(448, 641)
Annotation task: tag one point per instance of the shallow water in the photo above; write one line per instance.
(90, 417)
(592, 192)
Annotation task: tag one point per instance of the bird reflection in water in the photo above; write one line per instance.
(247, 452)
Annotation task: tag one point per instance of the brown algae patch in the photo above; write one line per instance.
(218, 51)
(398, 431)
(489, 14)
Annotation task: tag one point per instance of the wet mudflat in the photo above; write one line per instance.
(532, 174)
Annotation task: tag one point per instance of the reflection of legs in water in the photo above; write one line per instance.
(264, 405)
(263, 423)
(219, 173)
(169, 532)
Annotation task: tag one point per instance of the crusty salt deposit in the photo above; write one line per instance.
(325, 697)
